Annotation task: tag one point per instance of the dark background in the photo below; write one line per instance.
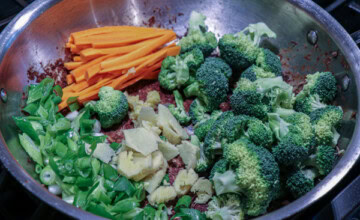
(17, 203)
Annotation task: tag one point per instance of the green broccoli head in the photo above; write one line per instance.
(325, 120)
(226, 206)
(198, 36)
(210, 88)
(213, 139)
(240, 50)
(179, 111)
(301, 125)
(203, 164)
(247, 100)
(174, 73)
(193, 59)
(291, 150)
(112, 107)
(269, 61)
(235, 128)
(254, 72)
(278, 125)
(221, 166)
(277, 93)
(259, 133)
(203, 127)
(308, 104)
(321, 83)
(323, 159)
(300, 182)
(217, 65)
(257, 174)
(198, 112)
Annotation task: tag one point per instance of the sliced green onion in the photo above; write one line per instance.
(47, 176)
(125, 205)
(55, 189)
(84, 182)
(31, 108)
(71, 100)
(74, 106)
(38, 169)
(109, 172)
(69, 179)
(60, 149)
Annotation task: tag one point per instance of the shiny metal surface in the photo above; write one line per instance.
(39, 32)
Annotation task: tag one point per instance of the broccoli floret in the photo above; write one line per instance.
(198, 36)
(225, 207)
(325, 120)
(256, 98)
(259, 133)
(291, 150)
(257, 174)
(193, 59)
(277, 93)
(320, 83)
(179, 111)
(226, 183)
(269, 61)
(203, 163)
(174, 73)
(235, 128)
(221, 166)
(210, 88)
(300, 182)
(213, 139)
(323, 159)
(278, 125)
(301, 125)
(218, 65)
(197, 112)
(240, 50)
(246, 100)
(112, 107)
(254, 72)
(308, 104)
(203, 127)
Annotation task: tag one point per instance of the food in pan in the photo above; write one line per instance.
(230, 138)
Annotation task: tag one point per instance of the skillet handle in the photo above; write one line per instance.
(346, 205)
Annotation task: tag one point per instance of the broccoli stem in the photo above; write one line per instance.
(192, 90)
(178, 99)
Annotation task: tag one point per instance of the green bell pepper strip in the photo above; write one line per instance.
(31, 108)
(26, 127)
(125, 205)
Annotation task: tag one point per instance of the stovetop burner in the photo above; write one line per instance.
(17, 203)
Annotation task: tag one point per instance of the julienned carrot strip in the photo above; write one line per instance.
(68, 88)
(136, 62)
(116, 37)
(77, 59)
(143, 51)
(138, 70)
(114, 42)
(91, 53)
(108, 29)
(152, 75)
(92, 71)
(69, 45)
(173, 51)
(72, 65)
(69, 79)
(62, 105)
(79, 73)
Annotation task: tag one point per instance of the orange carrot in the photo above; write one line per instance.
(77, 59)
(91, 53)
(69, 79)
(92, 71)
(109, 29)
(143, 51)
(116, 41)
(72, 65)
(79, 73)
(152, 75)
